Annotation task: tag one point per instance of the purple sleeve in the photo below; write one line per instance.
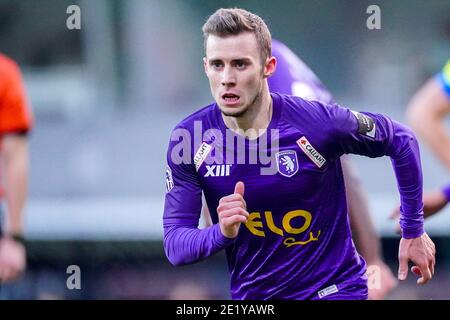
(446, 191)
(184, 242)
(405, 157)
(376, 135)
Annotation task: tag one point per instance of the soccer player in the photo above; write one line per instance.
(426, 113)
(278, 202)
(15, 123)
(294, 77)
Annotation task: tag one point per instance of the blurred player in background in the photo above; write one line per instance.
(286, 233)
(426, 113)
(15, 123)
(294, 77)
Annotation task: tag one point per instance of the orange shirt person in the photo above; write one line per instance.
(15, 123)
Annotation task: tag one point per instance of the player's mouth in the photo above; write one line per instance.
(230, 99)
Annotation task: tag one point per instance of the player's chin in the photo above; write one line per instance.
(235, 111)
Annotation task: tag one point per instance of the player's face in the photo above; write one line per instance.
(235, 73)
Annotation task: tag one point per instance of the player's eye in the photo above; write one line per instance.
(216, 64)
(240, 65)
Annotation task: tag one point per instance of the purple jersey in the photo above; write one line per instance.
(446, 191)
(294, 77)
(297, 242)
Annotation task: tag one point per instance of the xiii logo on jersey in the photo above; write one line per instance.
(287, 163)
(311, 152)
(218, 170)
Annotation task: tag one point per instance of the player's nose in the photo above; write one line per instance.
(228, 76)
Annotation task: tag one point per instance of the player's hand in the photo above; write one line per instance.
(232, 211)
(381, 280)
(421, 251)
(12, 259)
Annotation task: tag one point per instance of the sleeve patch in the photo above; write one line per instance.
(366, 125)
(169, 180)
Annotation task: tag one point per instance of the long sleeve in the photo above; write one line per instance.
(184, 242)
(376, 135)
(405, 157)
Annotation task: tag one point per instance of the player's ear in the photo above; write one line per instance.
(270, 66)
(205, 64)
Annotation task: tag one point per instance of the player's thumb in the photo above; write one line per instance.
(239, 188)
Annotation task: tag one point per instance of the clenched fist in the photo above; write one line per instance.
(232, 211)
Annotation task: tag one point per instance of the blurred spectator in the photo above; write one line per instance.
(15, 122)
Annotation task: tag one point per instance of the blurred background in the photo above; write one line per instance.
(106, 97)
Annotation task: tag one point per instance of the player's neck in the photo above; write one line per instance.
(257, 117)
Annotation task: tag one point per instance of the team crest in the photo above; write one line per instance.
(287, 163)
